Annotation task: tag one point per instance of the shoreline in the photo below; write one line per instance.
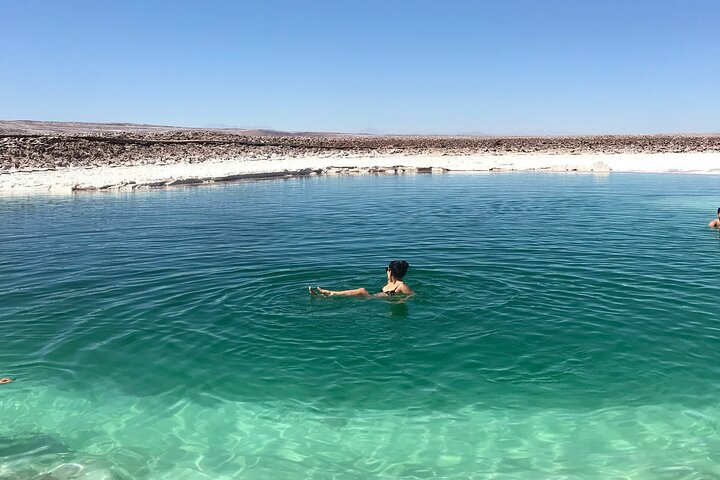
(73, 157)
(216, 170)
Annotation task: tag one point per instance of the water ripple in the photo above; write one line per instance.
(563, 327)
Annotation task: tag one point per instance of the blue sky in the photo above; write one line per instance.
(443, 67)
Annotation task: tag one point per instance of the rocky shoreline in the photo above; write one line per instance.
(74, 157)
(32, 146)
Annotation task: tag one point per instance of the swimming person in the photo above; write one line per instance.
(5, 380)
(394, 286)
(716, 222)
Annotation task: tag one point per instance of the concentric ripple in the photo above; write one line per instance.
(565, 326)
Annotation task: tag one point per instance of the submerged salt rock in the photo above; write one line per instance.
(99, 474)
(601, 167)
(65, 471)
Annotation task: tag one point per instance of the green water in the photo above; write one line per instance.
(565, 326)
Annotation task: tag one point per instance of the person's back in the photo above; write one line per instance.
(395, 272)
(715, 223)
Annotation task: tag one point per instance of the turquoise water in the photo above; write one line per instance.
(565, 326)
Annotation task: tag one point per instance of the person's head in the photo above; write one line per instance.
(718, 214)
(397, 269)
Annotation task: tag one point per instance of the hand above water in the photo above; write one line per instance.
(5, 380)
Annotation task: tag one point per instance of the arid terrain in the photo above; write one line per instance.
(32, 146)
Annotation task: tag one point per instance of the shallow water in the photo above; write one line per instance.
(565, 326)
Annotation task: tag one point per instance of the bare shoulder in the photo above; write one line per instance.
(404, 288)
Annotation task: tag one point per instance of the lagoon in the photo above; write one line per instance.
(565, 326)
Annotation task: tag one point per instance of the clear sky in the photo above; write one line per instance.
(391, 66)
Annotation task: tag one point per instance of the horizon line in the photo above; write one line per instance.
(368, 132)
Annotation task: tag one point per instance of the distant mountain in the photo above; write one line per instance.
(218, 125)
(225, 126)
(36, 127)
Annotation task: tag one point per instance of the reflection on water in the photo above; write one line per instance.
(563, 327)
(398, 309)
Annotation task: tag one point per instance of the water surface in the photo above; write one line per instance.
(565, 326)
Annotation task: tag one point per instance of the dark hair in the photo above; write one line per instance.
(398, 268)
(718, 209)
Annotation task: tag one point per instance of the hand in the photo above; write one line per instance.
(5, 380)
